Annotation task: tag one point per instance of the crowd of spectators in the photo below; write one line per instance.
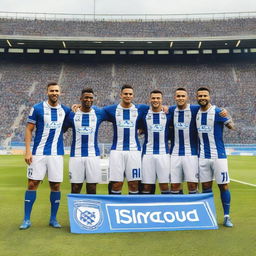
(24, 84)
(164, 28)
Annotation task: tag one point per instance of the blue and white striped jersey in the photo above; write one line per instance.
(184, 139)
(125, 124)
(210, 131)
(49, 134)
(156, 127)
(85, 126)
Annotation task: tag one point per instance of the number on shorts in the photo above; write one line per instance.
(30, 171)
(136, 173)
(224, 176)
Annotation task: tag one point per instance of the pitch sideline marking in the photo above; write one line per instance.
(242, 182)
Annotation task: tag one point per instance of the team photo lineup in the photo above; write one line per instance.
(155, 142)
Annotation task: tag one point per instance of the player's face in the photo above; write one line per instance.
(53, 92)
(181, 98)
(127, 96)
(156, 101)
(203, 98)
(87, 100)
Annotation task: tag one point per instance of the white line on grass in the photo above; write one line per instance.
(242, 182)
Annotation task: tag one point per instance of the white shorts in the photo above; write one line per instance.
(184, 168)
(52, 166)
(155, 166)
(84, 169)
(124, 164)
(210, 168)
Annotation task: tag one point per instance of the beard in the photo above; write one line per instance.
(203, 103)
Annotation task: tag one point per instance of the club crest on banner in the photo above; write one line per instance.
(88, 214)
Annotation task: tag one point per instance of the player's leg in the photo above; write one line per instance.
(148, 174)
(133, 170)
(91, 188)
(55, 176)
(92, 173)
(162, 164)
(116, 172)
(191, 173)
(176, 175)
(76, 188)
(35, 173)
(222, 179)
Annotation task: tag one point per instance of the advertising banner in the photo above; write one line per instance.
(107, 213)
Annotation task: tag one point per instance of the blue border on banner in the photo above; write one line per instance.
(108, 213)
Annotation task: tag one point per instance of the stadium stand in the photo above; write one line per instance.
(23, 84)
(76, 28)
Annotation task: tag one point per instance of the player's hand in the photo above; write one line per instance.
(165, 109)
(75, 107)
(224, 112)
(28, 158)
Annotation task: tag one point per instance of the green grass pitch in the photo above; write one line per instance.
(41, 239)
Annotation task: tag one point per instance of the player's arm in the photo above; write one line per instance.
(230, 125)
(28, 137)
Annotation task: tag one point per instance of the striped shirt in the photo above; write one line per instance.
(49, 134)
(210, 131)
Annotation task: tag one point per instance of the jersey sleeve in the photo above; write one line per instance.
(109, 113)
(68, 121)
(32, 118)
(219, 118)
(101, 113)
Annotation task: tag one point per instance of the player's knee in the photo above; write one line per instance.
(33, 184)
(116, 186)
(175, 186)
(223, 187)
(91, 188)
(55, 186)
(133, 185)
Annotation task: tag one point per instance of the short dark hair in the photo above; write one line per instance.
(203, 89)
(156, 91)
(51, 83)
(181, 89)
(87, 90)
(126, 86)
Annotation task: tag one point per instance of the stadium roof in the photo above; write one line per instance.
(97, 43)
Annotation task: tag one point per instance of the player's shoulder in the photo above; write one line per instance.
(142, 107)
(172, 108)
(217, 109)
(65, 108)
(38, 105)
(110, 107)
(194, 107)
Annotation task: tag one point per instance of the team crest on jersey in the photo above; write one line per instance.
(156, 128)
(53, 125)
(125, 124)
(133, 112)
(149, 116)
(85, 130)
(204, 129)
(163, 116)
(181, 126)
(77, 118)
(88, 214)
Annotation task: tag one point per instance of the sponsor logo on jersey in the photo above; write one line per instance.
(88, 214)
(156, 128)
(181, 126)
(204, 129)
(125, 124)
(53, 125)
(85, 130)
